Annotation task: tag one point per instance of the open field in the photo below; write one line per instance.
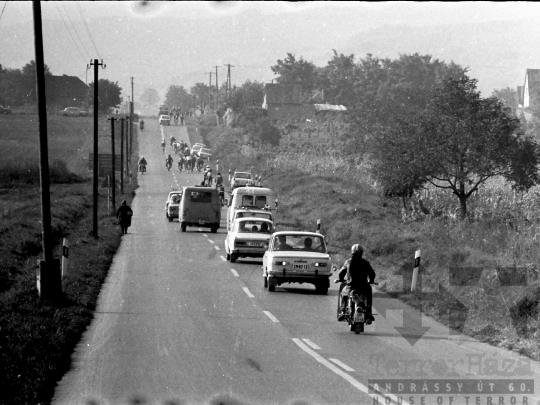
(36, 340)
(479, 276)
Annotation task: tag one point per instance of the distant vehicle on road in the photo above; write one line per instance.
(5, 110)
(73, 112)
(172, 205)
(248, 237)
(240, 179)
(164, 120)
(200, 207)
(163, 110)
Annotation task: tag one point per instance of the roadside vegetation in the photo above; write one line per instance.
(382, 186)
(36, 339)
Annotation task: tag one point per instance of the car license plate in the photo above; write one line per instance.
(257, 244)
(201, 221)
(359, 316)
(300, 266)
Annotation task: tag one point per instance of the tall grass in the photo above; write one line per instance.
(28, 172)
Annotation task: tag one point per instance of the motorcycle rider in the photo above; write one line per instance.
(142, 164)
(355, 272)
(219, 180)
(163, 144)
(141, 124)
(173, 139)
(169, 160)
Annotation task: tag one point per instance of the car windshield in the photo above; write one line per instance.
(242, 176)
(308, 243)
(256, 200)
(249, 214)
(253, 226)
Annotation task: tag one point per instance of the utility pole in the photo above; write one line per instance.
(49, 277)
(217, 89)
(131, 111)
(113, 179)
(229, 87)
(132, 99)
(210, 86)
(96, 64)
(122, 155)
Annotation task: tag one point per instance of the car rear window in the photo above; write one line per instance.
(201, 197)
(254, 227)
(299, 243)
(242, 176)
(254, 215)
(257, 200)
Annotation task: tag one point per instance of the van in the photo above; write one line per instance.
(200, 207)
(259, 197)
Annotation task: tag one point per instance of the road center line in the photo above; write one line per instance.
(311, 344)
(272, 317)
(210, 240)
(249, 294)
(216, 247)
(355, 383)
(233, 271)
(342, 365)
(205, 235)
(223, 258)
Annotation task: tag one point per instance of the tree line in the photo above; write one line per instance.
(18, 88)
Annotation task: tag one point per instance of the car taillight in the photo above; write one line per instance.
(280, 263)
(324, 264)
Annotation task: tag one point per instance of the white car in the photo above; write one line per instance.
(172, 205)
(250, 212)
(297, 257)
(74, 112)
(240, 179)
(248, 237)
(164, 120)
(196, 148)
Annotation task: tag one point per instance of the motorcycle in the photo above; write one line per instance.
(169, 165)
(141, 125)
(142, 168)
(356, 309)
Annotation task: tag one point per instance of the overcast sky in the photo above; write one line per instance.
(203, 35)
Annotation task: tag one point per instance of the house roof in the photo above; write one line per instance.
(282, 93)
(66, 86)
(330, 107)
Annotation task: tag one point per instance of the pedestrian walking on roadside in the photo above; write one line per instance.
(124, 215)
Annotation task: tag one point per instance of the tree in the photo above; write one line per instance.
(292, 71)
(255, 122)
(248, 95)
(150, 97)
(463, 140)
(201, 94)
(338, 79)
(108, 95)
(178, 96)
(508, 97)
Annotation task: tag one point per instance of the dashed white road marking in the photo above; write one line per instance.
(209, 240)
(205, 235)
(216, 247)
(272, 317)
(342, 365)
(311, 344)
(223, 258)
(355, 383)
(233, 271)
(249, 294)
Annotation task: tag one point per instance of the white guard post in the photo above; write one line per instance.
(415, 270)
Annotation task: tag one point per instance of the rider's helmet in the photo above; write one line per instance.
(357, 249)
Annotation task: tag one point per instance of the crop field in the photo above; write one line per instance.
(69, 139)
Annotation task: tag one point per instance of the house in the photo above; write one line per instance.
(284, 102)
(66, 91)
(529, 95)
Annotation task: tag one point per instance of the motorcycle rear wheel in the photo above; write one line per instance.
(358, 327)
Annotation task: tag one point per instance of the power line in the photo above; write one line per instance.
(3, 8)
(69, 32)
(76, 33)
(87, 29)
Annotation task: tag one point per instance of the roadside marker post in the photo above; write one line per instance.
(65, 257)
(415, 270)
(318, 226)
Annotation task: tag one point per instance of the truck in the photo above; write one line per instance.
(163, 110)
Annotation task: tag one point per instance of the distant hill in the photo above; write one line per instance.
(161, 51)
(498, 53)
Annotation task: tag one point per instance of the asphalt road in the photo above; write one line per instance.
(176, 323)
